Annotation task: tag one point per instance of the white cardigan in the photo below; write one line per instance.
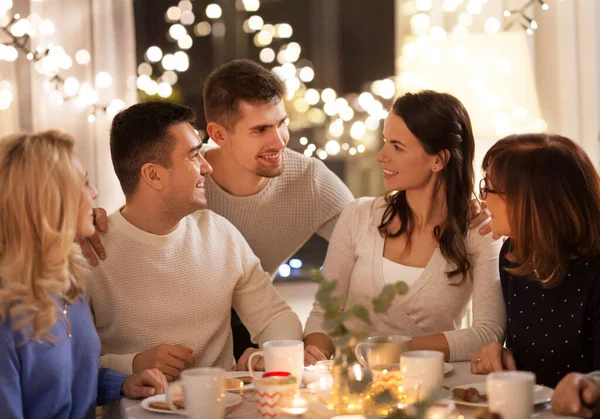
(432, 304)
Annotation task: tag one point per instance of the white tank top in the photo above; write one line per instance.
(394, 272)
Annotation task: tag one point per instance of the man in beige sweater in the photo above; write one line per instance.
(164, 293)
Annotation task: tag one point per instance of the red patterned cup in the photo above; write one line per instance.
(269, 391)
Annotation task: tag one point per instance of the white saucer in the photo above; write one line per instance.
(448, 368)
(232, 400)
(541, 394)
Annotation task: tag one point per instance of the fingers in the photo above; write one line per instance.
(96, 244)
(309, 359)
(590, 393)
(566, 398)
(509, 360)
(87, 252)
(486, 229)
(169, 378)
(489, 359)
(167, 369)
(259, 365)
(242, 367)
(312, 354)
(164, 383)
(154, 378)
(175, 363)
(183, 353)
(474, 211)
(584, 413)
(243, 361)
(496, 236)
(486, 361)
(101, 219)
(476, 365)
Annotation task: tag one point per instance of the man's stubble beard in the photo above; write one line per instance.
(270, 172)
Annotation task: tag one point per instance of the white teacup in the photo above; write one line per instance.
(510, 393)
(204, 393)
(281, 355)
(379, 350)
(423, 368)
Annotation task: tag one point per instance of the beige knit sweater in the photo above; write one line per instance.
(432, 305)
(179, 289)
(306, 199)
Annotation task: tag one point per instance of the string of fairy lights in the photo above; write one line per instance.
(351, 121)
(21, 37)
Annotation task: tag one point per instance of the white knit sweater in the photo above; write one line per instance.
(179, 289)
(432, 305)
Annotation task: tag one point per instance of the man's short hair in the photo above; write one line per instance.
(139, 135)
(233, 82)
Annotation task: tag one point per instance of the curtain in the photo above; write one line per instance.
(105, 28)
(564, 53)
(567, 60)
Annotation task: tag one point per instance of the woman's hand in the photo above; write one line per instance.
(313, 354)
(145, 384)
(491, 358)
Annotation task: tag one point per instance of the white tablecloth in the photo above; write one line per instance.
(131, 409)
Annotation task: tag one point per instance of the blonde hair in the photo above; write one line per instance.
(40, 264)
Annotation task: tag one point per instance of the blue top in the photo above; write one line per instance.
(554, 331)
(55, 380)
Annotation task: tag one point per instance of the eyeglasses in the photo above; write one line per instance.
(484, 190)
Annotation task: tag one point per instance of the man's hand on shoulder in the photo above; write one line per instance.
(93, 245)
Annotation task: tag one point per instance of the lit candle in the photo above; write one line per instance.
(298, 406)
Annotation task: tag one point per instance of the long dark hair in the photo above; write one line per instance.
(440, 122)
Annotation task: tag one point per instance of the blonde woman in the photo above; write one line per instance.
(49, 349)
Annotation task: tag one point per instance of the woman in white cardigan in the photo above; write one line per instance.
(418, 233)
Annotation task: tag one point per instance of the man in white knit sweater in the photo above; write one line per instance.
(164, 293)
(276, 197)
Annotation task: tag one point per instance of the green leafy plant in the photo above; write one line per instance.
(337, 315)
(345, 339)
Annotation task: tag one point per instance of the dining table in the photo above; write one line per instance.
(460, 375)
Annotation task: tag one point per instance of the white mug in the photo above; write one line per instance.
(204, 393)
(379, 350)
(423, 368)
(510, 393)
(281, 355)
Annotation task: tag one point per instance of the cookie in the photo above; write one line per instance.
(234, 383)
(246, 379)
(165, 406)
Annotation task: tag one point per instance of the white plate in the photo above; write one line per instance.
(448, 368)
(235, 374)
(541, 394)
(232, 400)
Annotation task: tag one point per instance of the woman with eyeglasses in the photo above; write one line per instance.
(418, 233)
(544, 194)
